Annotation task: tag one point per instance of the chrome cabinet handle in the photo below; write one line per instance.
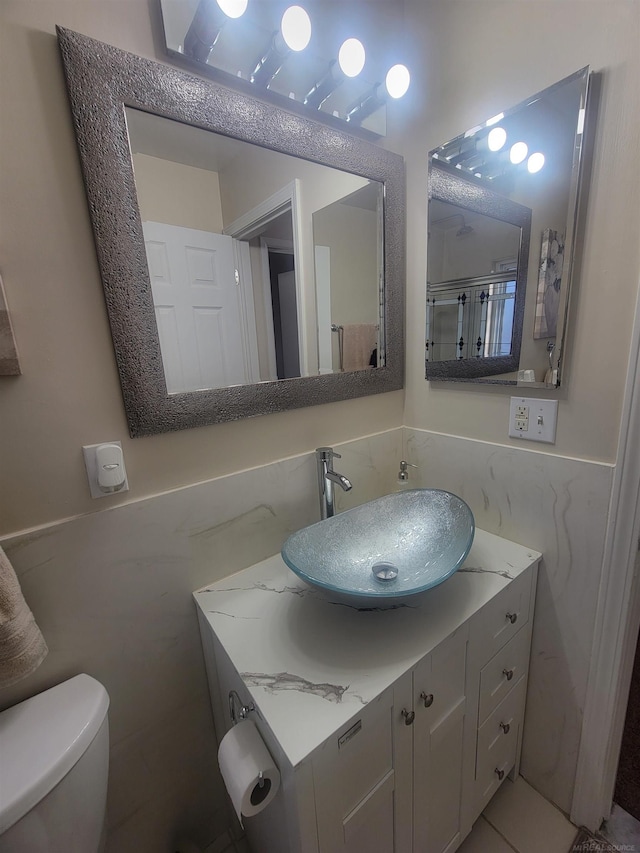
(427, 698)
(409, 716)
(499, 774)
(512, 617)
(505, 727)
(508, 674)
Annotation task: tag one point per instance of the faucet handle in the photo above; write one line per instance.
(327, 453)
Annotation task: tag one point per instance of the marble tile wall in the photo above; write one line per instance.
(111, 592)
(558, 506)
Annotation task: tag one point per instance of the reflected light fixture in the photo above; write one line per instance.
(518, 152)
(396, 84)
(233, 8)
(294, 35)
(535, 162)
(365, 106)
(496, 138)
(351, 57)
(350, 63)
(296, 28)
(397, 80)
(207, 24)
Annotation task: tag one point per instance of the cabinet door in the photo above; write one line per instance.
(355, 783)
(439, 702)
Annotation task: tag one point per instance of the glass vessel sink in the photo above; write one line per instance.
(385, 551)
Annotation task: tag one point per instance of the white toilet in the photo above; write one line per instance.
(54, 761)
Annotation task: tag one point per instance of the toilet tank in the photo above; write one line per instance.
(54, 752)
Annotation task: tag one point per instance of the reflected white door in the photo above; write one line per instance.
(197, 305)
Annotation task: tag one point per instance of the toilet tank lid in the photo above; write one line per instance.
(42, 738)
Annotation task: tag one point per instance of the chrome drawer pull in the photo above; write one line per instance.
(508, 674)
(500, 774)
(409, 716)
(505, 727)
(512, 617)
(427, 698)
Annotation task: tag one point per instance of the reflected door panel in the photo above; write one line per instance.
(197, 307)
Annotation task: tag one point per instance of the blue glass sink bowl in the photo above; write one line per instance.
(386, 551)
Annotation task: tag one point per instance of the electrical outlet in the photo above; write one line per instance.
(533, 420)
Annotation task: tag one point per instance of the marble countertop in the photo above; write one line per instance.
(310, 664)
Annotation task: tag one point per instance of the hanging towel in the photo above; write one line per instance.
(22, 646)
(360, 340)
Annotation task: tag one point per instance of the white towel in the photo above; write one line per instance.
(22, 646)
(360, 340)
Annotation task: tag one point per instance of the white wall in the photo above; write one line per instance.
(470, 59)
(178, 194)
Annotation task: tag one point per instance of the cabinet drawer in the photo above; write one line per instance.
(502, 672)
(498, 742)
(503, 616)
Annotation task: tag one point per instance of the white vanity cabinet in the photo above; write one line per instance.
(391, 730)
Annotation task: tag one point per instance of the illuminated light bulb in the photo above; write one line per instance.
(296, 28)
(233, 8)
(496, 138)
(535, 162)
(518, 152)
(351, 57)
(397, 80)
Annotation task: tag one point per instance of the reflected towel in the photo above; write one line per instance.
(360, 340)
(22, 646)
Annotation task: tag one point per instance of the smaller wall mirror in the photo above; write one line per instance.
(503, 201)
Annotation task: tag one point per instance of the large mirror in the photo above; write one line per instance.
(503, 200)
(252, 260)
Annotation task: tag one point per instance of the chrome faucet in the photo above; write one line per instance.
(326, 478)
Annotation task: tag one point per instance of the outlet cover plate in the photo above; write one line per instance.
(543, 416)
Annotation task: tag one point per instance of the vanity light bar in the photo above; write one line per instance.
(293, 35)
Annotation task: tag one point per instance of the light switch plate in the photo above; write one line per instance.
(539, 423)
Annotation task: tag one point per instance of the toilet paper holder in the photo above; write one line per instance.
(238, 711)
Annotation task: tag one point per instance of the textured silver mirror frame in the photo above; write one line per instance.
(101, 81)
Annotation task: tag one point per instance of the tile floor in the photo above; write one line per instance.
(622, 830)
(519, 819)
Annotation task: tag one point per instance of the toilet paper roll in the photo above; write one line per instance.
(250, 774)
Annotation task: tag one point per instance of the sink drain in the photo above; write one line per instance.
(384, 571)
